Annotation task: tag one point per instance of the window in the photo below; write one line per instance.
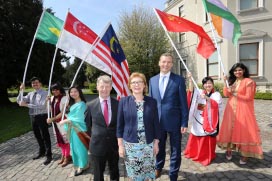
(182, 70)
(244, 5)
(212, 65)
(249, 55)
(181, 37)
(181, 11)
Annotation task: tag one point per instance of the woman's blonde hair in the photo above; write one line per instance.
(140, 75)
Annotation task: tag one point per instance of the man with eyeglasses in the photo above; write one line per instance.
(170, 92)
(36, 102)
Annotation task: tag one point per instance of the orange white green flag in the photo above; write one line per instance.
(224, 21)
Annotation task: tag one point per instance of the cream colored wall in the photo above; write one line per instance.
(259, 20)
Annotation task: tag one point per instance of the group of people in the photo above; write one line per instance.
(136, 127)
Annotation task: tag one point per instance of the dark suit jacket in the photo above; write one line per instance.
(127, 119)
(173, 109)
(103, 138)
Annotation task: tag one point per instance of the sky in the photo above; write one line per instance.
(96, 14)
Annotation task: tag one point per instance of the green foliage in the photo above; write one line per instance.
(143, 40)
(71, 70)
(92, 88)
(18, 22)
(263, 95)
(14, 121)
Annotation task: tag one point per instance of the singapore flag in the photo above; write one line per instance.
(77, 39)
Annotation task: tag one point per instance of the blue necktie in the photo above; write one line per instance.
(161, 86)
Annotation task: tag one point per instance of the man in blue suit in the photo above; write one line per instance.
(170, 92)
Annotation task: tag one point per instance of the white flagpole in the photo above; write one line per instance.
(173, 44)
(51, 72)
(216, 45)
(96, 41)
(30, 51)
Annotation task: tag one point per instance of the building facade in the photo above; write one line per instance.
(254, 47)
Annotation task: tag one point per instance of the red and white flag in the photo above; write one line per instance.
(77, 39)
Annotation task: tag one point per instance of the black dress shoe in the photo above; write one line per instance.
(38, 156)
(47, 161)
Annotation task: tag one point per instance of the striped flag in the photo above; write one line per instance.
(114, 60)
(224, 21)
(77, 39)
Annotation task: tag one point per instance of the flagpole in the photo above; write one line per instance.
(96, 41)
(52, 68)
(174, 46)
(30, 51)
(216, 45)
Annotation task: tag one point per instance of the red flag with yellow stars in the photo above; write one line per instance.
(177, 24)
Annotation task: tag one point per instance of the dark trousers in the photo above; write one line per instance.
(99, 165)
(175, 157)
(40, 129)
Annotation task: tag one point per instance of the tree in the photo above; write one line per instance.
(143, 40)
(71, 70)
(18, 22)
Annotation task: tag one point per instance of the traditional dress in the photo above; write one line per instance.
(79, 151)
(239, 130)
(57, 104)
(140, 161)
(204, 116)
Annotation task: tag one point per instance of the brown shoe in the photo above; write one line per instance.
(66, 161)
(61, 160)
(157, 174)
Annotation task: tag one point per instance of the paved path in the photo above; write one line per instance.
(16, 160)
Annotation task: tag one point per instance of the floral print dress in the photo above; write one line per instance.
(140, 161)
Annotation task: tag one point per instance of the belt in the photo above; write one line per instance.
(38, 115)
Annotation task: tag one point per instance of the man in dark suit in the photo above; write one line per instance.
(170, 92)
(101, 121)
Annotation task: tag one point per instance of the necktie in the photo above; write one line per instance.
(33, 101)
(106, 112)
(161, 86)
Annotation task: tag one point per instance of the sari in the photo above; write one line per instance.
(78, 150)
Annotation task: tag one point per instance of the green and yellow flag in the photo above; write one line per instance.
(49, 29)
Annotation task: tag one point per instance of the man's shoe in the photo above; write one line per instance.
(47, 161)
(157, 173)
(38, 156)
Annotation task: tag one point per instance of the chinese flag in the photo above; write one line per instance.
(177, 24)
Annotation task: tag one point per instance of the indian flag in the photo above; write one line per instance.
(224, 21)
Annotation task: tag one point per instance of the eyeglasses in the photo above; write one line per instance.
(137, 82)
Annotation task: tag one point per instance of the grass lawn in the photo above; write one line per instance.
(14, 122)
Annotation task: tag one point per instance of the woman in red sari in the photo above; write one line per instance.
(205, 106)
(239, 130)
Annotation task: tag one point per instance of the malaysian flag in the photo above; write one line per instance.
(107, 54)
(110, 52)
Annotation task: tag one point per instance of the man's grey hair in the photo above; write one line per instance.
(104, 78)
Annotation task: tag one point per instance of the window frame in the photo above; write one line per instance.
(260, 6)
(260, 52)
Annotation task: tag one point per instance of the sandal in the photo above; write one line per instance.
(228, 155)
(243, 160)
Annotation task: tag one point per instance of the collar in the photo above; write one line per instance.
(101, 99)
(167, 75)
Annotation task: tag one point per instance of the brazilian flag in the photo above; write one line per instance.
(49, 28)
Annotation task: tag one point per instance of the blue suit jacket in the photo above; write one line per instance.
(127, 119)
(173, 109)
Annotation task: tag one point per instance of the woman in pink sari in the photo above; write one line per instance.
(57, 104)
(239, 130)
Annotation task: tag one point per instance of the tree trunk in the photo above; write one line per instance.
(4, 99)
